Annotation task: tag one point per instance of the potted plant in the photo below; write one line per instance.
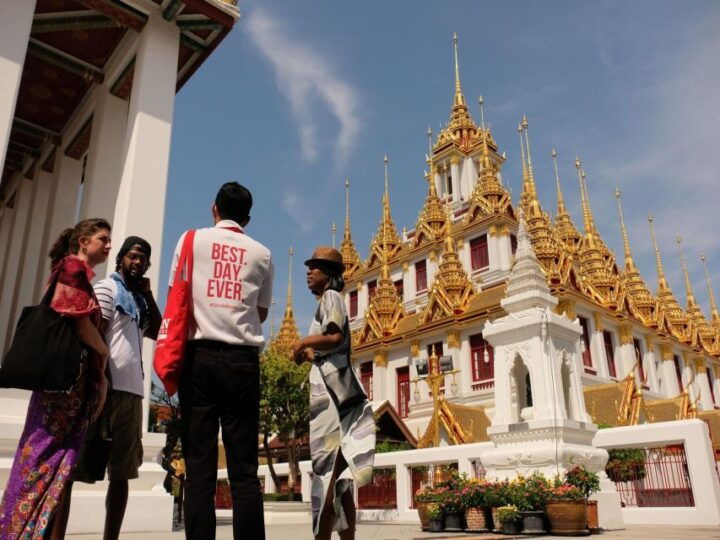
(530, 496)
(567, 511)
(496, 496)
(473, 501)
(423, 497)
(588, 483)
(509, 517)
(451, 506)
(435, 516)
(626, 464)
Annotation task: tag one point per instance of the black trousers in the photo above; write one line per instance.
(220, 387)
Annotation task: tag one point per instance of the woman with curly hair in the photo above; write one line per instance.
(36, 500)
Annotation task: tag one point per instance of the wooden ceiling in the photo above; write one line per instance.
(70, 44)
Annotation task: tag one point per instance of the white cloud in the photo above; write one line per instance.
(308, 81)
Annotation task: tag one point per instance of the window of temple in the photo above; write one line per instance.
(353, 304)
(513, 243)
(639, 360)
(678, 370)
(585, 343)
(479, 256)
(366, 378)
(449, 184)
(403, 391)
(420, 276)
(711, 382)
(481, 358)
(610, 353)
(399, 288)
(372, 285)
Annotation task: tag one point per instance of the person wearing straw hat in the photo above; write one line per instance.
(342, 427)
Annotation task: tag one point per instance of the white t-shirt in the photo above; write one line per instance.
(124, 339)
(232, 276)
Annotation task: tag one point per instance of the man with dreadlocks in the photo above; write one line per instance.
(129, 313)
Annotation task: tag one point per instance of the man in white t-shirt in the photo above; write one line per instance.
(220, 384)
(129, 313)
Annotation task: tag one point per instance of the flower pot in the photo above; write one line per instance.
(476, 519)
(437, 525)
(423, 515)
(593, 523)
(454, 521)
(511, 527)
(533, 522)
(495, 521)
(568, 518)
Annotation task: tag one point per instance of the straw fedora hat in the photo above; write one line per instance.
(325, 255)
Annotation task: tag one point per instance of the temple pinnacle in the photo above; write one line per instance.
(689, 296)
(481, 102)
(662, 282)
(629, 263)
(560, 198)
(713, 306)
(459, 98)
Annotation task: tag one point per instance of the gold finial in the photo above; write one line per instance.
(481, 102)
(713, 306)
(626, 242)
(531, 175)
(351, 259)
(689, 296)
(522, 154)
(584, 199)
(429, 138)
(459, 98)
(347, 208)
(658, 261)
(560, 198)
(291, 252)
(577, 162)
(333, 230)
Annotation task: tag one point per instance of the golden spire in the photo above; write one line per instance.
(703, 327)
(459, 97)
(431, 220)
(481, 102)
(588, 222)
(489, 196)
(524, 191)
(385, 309)
(629, 263)
(451, 290)
(642, 303)
(564, 225)
(531, 174)
(386, 236)
(288, 334)
(351, 258)
(714, 313)
(662, 282)
(690, 297)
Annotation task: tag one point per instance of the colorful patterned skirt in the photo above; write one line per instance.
(55, 428)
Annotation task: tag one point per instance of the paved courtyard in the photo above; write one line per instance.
(372, 531)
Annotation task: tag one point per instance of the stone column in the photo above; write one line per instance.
(24, 195)
(626, 360)
(15, 21)
(34, 257)
(703, 384)
(140, 207)
(653, 377)
(597, 347)
(105, 160)
(455, 180)
(62, 206)
(6, 227)
(668, 379)
(380, 375)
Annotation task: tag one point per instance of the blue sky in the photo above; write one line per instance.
(302, 94)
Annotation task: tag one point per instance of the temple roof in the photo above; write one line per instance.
(461, 423)
(615, 404)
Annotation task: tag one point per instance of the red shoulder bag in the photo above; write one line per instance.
(173, 335)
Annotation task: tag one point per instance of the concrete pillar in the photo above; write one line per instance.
(597, 347)
(702, 383)
(15, 21)
(626, 359)
(24, 195)
(34, 257)
(61, 213)
(105, 159)
(651, 371)
(140, 207)
(668, 379)
(455, 179)
(6, 227)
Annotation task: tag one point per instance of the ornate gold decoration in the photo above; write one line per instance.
(714, 313)
(567, 307)
(596, 260)
(625, 332)
(597, 318)
(386, 241)
(641, 302)
(351, 257)
(453, 339)
(666, 352)
(702, 329)
(288, 334)
(615, 404)
(649, 342)
(432, 221)
(700, 365)
(415, 348)
(452, 290)
(385, 310)
(565, 228)
(677, 321)
(667, 410)
(461, 423)
(380, 359)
